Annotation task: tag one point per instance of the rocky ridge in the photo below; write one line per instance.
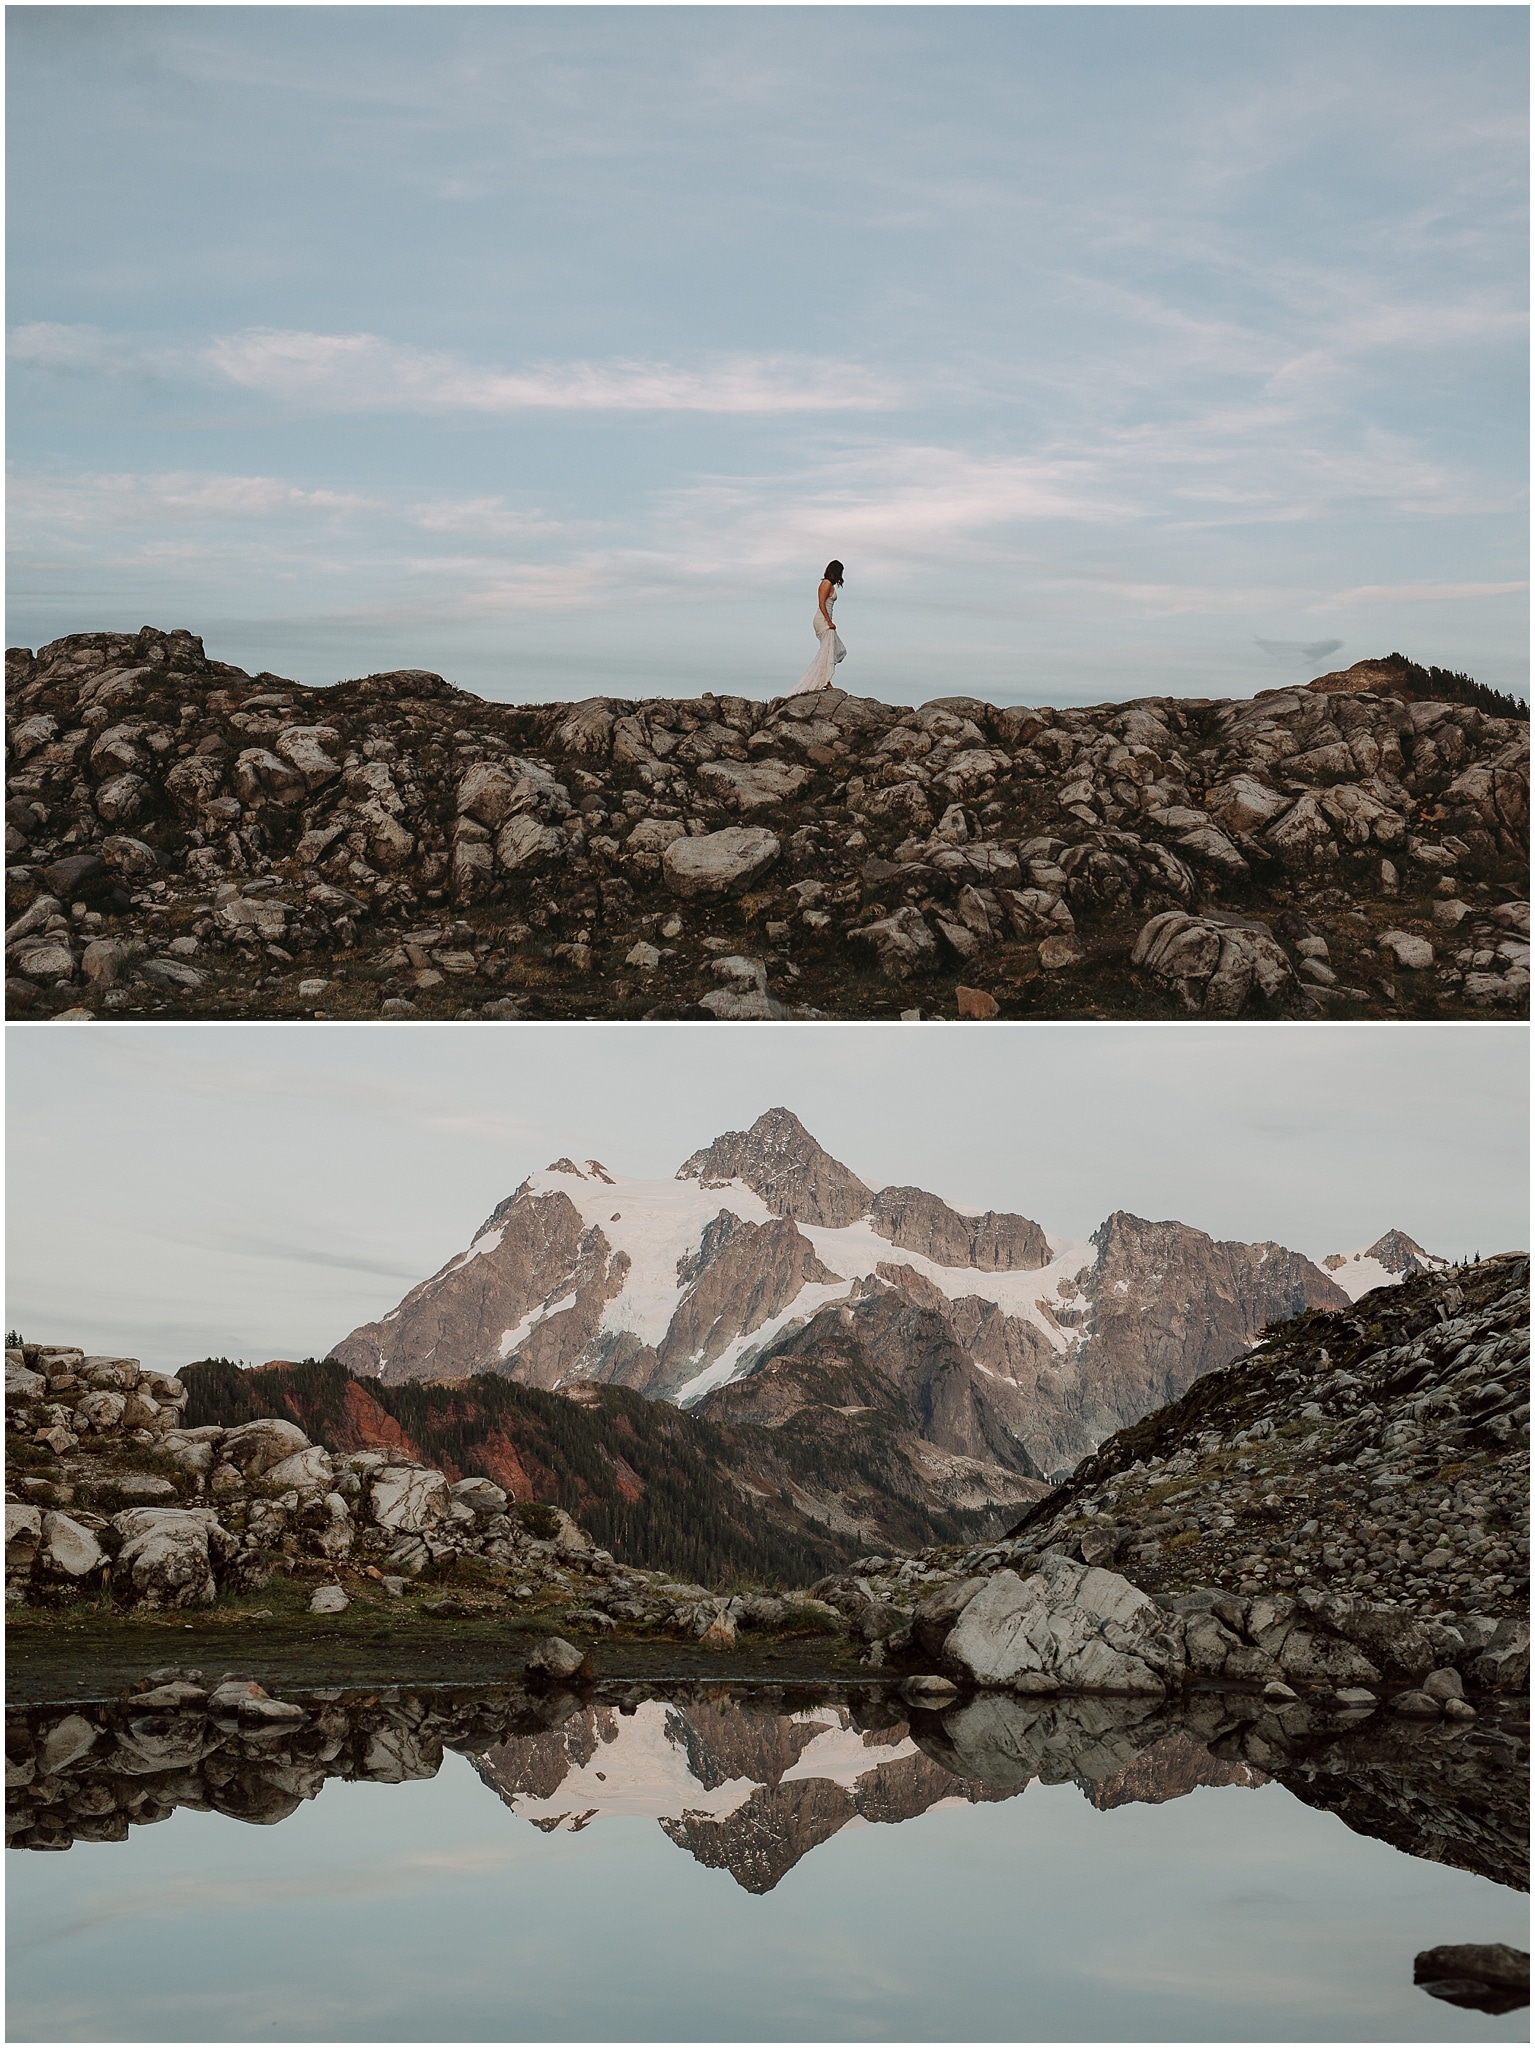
(106, 1492)
(1343, 1509)
(184, 839)
(1381, 1451)
(108, 1500)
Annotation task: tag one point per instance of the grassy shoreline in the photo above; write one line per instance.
(88, 1651)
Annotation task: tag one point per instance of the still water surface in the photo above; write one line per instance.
(701, 1867)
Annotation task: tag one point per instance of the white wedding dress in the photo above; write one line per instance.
(828, 653)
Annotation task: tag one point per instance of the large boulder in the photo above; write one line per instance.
(309, 748)
(1504, 1666)
(22, 1386)
(481, 1496)
(523, 843)
(409, 1499)
(167, 1557)
(101, 1411)
(719, 863)
(935, 1617)
(23, 1534)
(1394, 1638)
(1218, 964)
(68, 1549)
(555, 1658)
(902, 941)
(255, 1447)
(568, 1533)
(1065, 1628)
(753, 786)
(309, 1470)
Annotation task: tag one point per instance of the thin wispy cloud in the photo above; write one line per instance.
(349, 373)
(368, 373)
(78, 349)
(127, 500)
(1419, 593)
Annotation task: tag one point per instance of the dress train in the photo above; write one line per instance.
(829, 651)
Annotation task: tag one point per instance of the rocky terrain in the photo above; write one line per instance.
(1381, 1453)
(109, 1496)
(750, 1783)
(1360, 1649)
(1342, 1514)
(1343, 1506)
(899, 1347)
(186, 840)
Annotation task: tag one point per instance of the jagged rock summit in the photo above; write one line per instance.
(1392, 1257)
(768, 1284)
(184, 839)
(780, 1161)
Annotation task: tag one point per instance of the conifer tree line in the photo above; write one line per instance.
(690, 1518)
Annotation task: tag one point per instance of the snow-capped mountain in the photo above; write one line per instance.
(766, 1280)
(1386, 1263)
(678, 1286)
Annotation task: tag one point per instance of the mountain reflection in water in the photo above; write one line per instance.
(750, 1781)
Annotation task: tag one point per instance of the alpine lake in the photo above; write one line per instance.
(783, 1854)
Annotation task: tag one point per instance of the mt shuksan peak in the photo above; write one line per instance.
(767, 1268)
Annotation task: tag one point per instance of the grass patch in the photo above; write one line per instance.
(22, 1455)
(538, 1518)
(464, 1571)
(807, 1621)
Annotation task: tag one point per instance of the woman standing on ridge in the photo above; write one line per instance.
(831, 650)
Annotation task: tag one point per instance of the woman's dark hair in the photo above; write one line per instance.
(833, 572)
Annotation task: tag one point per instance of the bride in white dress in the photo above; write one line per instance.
(830, 649)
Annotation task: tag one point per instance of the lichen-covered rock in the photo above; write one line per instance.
(1222, 967)
(69, 1548)
(310, 1470)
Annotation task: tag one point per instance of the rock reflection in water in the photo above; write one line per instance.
(751, 1781)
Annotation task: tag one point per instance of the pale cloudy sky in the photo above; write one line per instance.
(259, 1190)
(1115, 350)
